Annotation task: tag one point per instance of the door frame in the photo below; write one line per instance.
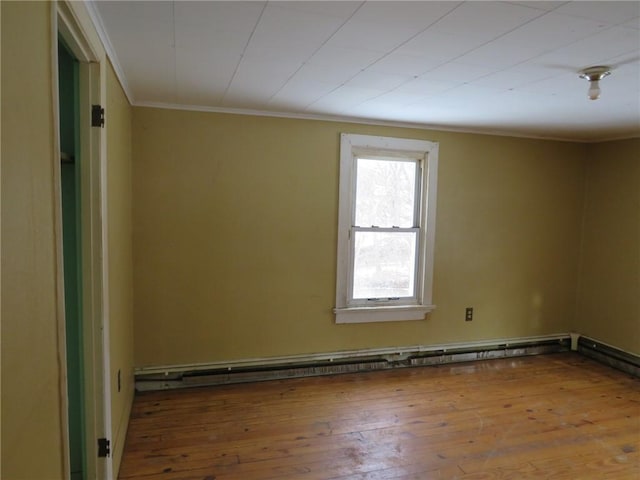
(69, 23)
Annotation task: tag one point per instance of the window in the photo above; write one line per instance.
(385, 228)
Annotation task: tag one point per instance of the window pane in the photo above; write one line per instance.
(385, 191)
(384, 264)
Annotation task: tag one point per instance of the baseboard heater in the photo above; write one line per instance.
(219, 375)
(608, 355)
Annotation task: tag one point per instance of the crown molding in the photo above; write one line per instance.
(369, 121)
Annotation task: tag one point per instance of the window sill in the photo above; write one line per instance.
(382, 314)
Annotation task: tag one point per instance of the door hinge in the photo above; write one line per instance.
(104, 447)
(97, 116)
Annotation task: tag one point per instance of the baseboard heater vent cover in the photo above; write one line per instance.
(499, 351)
(222, 376)
(608, 355)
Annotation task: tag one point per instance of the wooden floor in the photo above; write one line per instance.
(557, 416)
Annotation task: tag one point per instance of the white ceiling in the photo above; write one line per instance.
(501, 67)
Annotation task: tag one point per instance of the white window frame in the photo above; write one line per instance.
(352, 147)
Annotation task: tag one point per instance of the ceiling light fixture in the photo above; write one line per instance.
(594, 75)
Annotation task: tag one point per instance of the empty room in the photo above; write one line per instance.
(350, 240)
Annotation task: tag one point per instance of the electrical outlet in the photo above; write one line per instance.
(468, 314)
(119, 382)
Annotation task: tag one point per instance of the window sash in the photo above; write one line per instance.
(415, 297)
(398, 157)
(412, 299)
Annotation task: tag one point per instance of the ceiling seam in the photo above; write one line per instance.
(384, 56)
(235, 71)
(542, 14)
(315, 52)
(548, 51)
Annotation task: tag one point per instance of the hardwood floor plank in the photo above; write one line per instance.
(555, 416)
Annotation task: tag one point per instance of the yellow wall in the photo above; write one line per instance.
(609, 294)
(118, 126)
(235, 223)
(32, 425)
(0, 250)
(31, 407)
